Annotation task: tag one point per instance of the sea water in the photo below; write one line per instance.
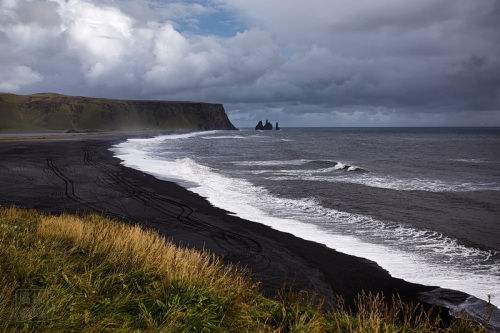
(424, 203)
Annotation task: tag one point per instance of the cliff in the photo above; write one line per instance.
(54, 112)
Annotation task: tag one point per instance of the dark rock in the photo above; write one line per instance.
(277, 127)
(259, 126)
(267, 126)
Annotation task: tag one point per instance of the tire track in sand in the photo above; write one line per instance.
(227, 240)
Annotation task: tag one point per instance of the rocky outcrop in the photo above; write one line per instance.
(267, 126)
(42, 112)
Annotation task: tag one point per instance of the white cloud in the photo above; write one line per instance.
(99, 36)
(114, 50)
(15, 78)
(319, 55)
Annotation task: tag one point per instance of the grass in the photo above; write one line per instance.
(54, 112)
(92, 274)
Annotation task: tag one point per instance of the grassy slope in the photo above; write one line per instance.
(92, 274)
(54, 112)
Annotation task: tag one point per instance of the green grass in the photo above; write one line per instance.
(72, 273)
(55, 112)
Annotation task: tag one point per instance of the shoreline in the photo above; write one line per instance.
(80, 174)
(58, 135)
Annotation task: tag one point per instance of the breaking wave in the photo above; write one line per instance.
(420, 256)
(410, 184)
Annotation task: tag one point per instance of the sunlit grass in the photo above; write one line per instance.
(93, 274)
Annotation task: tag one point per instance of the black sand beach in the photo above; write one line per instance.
(81, 175)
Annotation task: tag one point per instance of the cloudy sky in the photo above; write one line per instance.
(302, 62)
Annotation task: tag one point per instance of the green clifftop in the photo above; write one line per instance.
(54, 112)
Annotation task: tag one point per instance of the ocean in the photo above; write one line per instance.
(424, 203)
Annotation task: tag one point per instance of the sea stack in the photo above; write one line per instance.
(267, 126)
(277, 127)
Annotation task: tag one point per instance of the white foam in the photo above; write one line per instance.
(271, 162)
(409, 184)
(417, 184)
(162, 138)
(419, 256)
(224, 137)
(367, 179)
(303, 172)
(339, 166)
(470, 160)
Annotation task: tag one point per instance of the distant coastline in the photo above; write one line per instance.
(47, 112)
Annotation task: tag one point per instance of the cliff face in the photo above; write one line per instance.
(60, 112)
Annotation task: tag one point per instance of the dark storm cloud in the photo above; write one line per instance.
(365, 62)
(390, 53)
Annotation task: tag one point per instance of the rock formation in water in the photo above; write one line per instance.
(277, 127)
(54, 112)
(267, 126)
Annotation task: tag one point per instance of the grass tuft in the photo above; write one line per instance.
(63, 273)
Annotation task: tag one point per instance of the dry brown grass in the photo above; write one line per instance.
(94, 274)
(131, 247)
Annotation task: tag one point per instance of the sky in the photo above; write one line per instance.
(302, 63)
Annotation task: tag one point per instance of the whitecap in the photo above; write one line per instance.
(387, 182)
(420, 256)
(224, 137)
(271, 162)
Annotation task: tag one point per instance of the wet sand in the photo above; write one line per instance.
(81, 175)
